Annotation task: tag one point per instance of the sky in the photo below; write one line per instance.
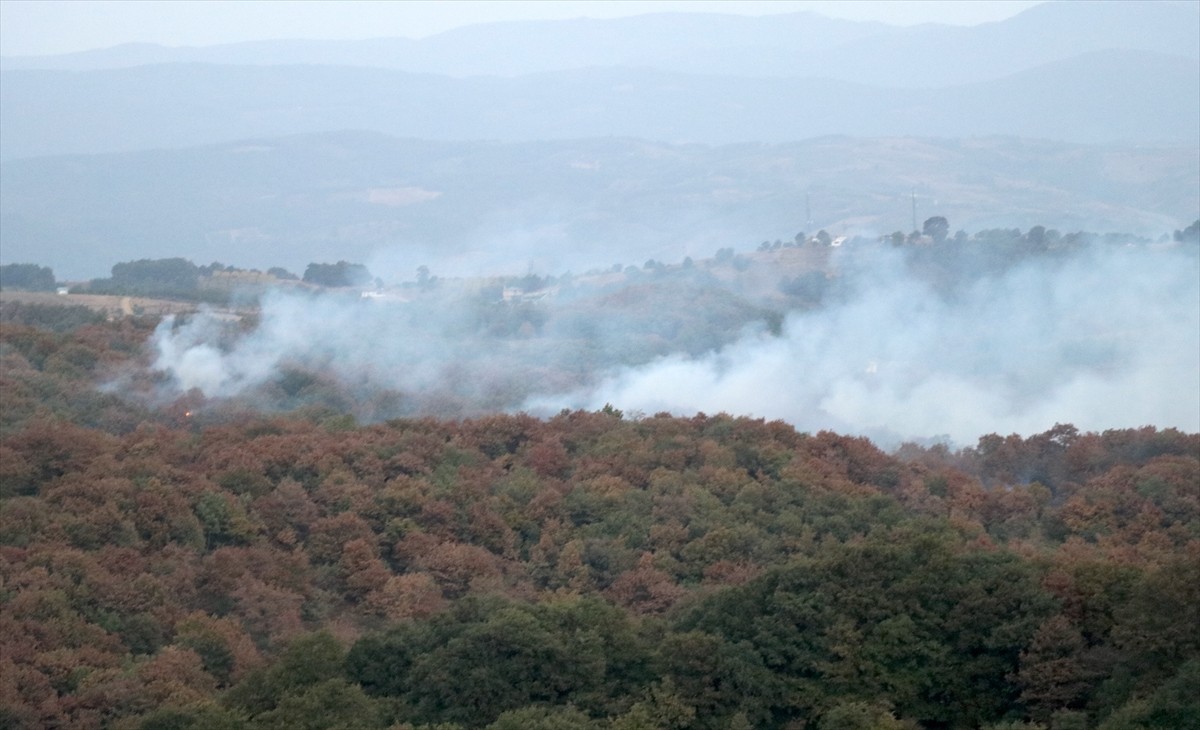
(41, 27)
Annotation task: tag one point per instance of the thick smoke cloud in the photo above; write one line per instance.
(1105, 337)
(360, 342)
(1101, 340)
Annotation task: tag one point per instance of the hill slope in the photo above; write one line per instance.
(558, 205)
(1108, 96)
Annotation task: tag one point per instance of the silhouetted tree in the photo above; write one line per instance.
(153, 277)
(1191, 234)
(343, 273)
(936, 228)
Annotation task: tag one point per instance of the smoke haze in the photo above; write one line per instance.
(1103, 337)
(1101, 340)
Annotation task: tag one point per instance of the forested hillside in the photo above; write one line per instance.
(169, 568)
(490, 207)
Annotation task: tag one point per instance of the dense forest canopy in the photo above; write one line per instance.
(171, 566)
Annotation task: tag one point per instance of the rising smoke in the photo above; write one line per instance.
(1100, 340)
(1102, 337)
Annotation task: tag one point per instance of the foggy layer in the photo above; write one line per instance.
(1105, 337)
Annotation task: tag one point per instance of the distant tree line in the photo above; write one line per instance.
(179, 278)
(29, 277)
(343, 273)
(173, 278)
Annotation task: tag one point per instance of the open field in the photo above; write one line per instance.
(112, 305)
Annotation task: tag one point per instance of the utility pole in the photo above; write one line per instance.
(807, 213)
(914, 206)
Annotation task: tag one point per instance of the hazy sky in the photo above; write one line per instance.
(33, 27)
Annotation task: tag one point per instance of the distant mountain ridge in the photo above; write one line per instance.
(787, 45)
(1107, 96)
(1087, 72)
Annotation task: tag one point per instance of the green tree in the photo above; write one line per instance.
(223, 519)
(308, 661)
(543, 717)
(905, 619)
(861, 716)
(1175, 704)
(488, 657)
(334, 703)
(26, 276)
(197, 717)
(719, 679)
(159, 277)
(1160, 626)
(661, 708)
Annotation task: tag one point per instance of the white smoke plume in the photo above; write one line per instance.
(1106, 337)
(1104, 340)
